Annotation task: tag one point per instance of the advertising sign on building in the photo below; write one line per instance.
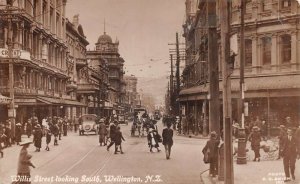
(22, 54)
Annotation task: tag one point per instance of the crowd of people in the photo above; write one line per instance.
(48, 126)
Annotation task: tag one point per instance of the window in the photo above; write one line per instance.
(285, 48)
(266, 5)
(51, 23)
(248, 52)
(2, 37)
(285, 3)
(266, 50)
(44, 14)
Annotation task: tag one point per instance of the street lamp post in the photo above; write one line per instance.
(241, 157)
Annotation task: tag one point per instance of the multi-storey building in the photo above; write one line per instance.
(272, 69)
(107, 52)
(77, 68)
(131, 92)
(33, 58)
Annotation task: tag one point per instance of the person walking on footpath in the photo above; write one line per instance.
(24, 164)
(2, 140)
(255, 139)
(282, 134)
(37, 137)
(212, 147)
(167, 135)
(28, 128)
(8, 134)
(102, 132)
(289, 153)
(48, 138)
(18, 133)
(297, 135)
(153, 139)
(112, 133)
(118, 140)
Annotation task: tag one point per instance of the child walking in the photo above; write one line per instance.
(118, 140)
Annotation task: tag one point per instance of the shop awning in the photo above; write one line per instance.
(253, 85)
(73, 103)
(48, 100)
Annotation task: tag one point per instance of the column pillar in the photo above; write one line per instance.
(255, 55)
(274, 53)
(294, 50)
(48, 16)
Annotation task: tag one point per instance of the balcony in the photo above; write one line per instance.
(80, 63)
(71, 86)
(87, 88)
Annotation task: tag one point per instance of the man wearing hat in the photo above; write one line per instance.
(282, 134)
(38, 134)
(167, 135)
(24, 163)
(102, 132)
(289, 152)
(212, 145)
(18, 132)
(255, 139)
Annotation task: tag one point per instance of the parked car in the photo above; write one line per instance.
(88, 124)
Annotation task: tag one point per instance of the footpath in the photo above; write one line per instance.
(268, 171)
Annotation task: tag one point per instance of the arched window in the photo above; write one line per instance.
(266, 50)
(285, 49)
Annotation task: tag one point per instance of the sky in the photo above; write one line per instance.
(143, 27)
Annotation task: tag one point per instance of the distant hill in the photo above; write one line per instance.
(155, 86)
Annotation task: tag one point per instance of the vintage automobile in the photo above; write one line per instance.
(88, 124)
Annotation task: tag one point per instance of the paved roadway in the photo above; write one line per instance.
(80, 159)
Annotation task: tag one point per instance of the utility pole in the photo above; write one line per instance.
(214, 102)
(11, 110)
(171, 76)
(241, 158)
(172, 91)
(225, 58)
(177, 76)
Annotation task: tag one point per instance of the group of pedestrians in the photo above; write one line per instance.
(289, 149)
(47, 127)
(111, 134)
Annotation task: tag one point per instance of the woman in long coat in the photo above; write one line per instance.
(153, 139)
(24, 163)
(38, 134)
(18, 132)
(255, 139)
(212, 145)
(102, 133)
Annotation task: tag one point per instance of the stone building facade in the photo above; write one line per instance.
(77, 67)
(34, 72)
(272, 62)
(131, 98)
(107, 52)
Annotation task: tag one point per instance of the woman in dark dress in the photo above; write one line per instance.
(255, 139)
(212, 145)
(38, 134)
(18, 133)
